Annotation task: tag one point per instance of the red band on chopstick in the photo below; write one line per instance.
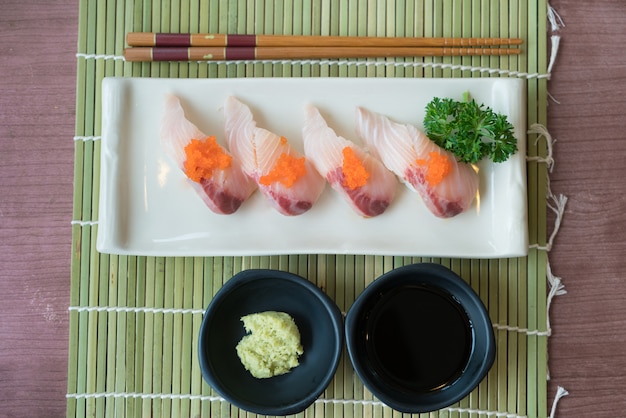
(240, 53)
(172, 39)
(170, 54)
(241, 40)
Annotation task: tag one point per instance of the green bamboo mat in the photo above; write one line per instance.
(134, 320)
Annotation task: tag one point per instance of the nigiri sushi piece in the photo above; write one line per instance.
(362, 180)
(447, 186)
(286, 178)
(213, 172)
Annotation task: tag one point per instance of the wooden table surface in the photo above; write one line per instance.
(587, 117)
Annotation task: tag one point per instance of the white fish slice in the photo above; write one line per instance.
(413, 157)
(326, 150)
(266, 156)
(226, 189)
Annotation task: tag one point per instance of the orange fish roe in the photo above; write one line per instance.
(437, 167)
(203, 157)
(287, 170)
(354, 172)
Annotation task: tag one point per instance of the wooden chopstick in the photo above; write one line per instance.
(277, 53)
(191, 40)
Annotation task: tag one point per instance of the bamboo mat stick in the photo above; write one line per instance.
(473, 279)
(339, 298)
(359, 286)
(147, 54)
(167, 371)
(207, 295)
(542, 226)
(80, 236)
(349, 296)
(118, 350)
(431, 24)
(535, 173)
(501, 336)
(525, 385)
(95, 406)
(464, 270)
(486, 396)
(131, 336)
(75, 336)
(111, 275)
(196, 303)
(493, 303)
(512, 342)
(325, 282)
(523, 347)
(216, 284)
(158, 364)
(179, 368)
(187, 358)
(138, 351)
(149, 302)
(92, 337)
(103, 333)
(455, 29)
(465, 31)
(485, 21)
(237, 40)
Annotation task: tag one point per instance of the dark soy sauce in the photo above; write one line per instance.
(420, 338)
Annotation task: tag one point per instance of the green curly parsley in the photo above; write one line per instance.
(469, 131)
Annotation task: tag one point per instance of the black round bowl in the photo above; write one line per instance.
(319, 321)
(420, 338)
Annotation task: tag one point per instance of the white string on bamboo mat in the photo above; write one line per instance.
(132, 309)
(328, 62)
(560, 393)
(191, 311)
(556, 23)
(87, 138)
(522, 330)
(83, 223)
(208, 398)
(557, 205)
(542, 132)
(105, 57)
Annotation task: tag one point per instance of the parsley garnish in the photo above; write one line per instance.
(468, 130)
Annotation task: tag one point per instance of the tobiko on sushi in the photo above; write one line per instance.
(213, 172)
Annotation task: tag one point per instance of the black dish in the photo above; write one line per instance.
(420, 338)
(321, 330)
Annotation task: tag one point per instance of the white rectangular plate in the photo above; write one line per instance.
(148, 208)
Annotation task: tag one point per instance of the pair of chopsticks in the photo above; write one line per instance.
(148, 46)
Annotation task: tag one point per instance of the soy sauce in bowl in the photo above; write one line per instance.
(421, 338)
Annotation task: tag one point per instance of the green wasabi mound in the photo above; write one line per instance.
(272, 345)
